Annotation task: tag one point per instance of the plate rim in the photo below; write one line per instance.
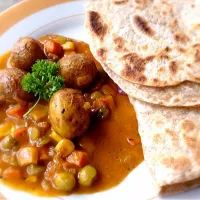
(21, 10)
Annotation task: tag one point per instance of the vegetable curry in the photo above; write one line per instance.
(75, 132)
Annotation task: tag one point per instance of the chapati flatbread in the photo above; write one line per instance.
(148, 42)
(184, 94)
(171, 140)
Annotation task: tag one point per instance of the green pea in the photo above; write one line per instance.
(10, 159)
(8, 143)
(35, 170)
(65, 181)
(42, 141)
(34, 133)
(104, 112)
(87, 175)
(96, 95)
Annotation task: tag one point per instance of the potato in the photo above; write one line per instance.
(10, 86)
(24, 53)
(67, 113)
(78, 70)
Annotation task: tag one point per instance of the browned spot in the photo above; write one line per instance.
(180, 163)
(159, 123)
(157, 139)
(187, 126)
(164, 53)
(97, 25)
(181, 37)
(120, 44)
(167, 49)
(155, 80)
(140, 4)
(197, 52)
(173, 67)
(197, 56)
(181, 50)
(174, 24)
(193, 143)
(135, 66)
(190, 141)
(120, 2)
(102, 53)
(141, 1)
(145, 47)
(142, 79)
(143, 26)
(173, 135)
(176, 100)
(161, 69)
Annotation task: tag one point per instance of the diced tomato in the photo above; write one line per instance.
(104, 100)
(53, 47)
(18, 111)
(78, 158)
(12, 173)
(20, 134)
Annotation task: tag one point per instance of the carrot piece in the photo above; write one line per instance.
(78, 158)
(17, 111)
(20, 134)
(53, 47)
(12, 173)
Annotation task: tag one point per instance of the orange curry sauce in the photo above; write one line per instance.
(113, 145)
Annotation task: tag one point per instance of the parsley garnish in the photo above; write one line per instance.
(43, 82)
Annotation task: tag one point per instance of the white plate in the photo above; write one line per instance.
(67, 19)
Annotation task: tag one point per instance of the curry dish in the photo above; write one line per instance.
(65, 126)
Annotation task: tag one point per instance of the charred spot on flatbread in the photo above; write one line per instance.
(120, 2)
(155, 80)
(197, 52)
(180, 163)
(97, 25)
(157, 139)
(173, 135)
(119, 44)
(187, 126)
(134, 66)
(181, 37)
(143, 26)
(173, 67)
(101, 52)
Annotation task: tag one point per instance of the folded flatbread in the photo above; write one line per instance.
(184, 94)
(148, 42)
(171, 140)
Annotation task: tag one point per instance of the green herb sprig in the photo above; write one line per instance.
(43, 81)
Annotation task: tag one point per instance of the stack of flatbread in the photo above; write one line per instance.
(151, 49)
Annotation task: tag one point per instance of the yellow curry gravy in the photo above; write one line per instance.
(113, 145)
